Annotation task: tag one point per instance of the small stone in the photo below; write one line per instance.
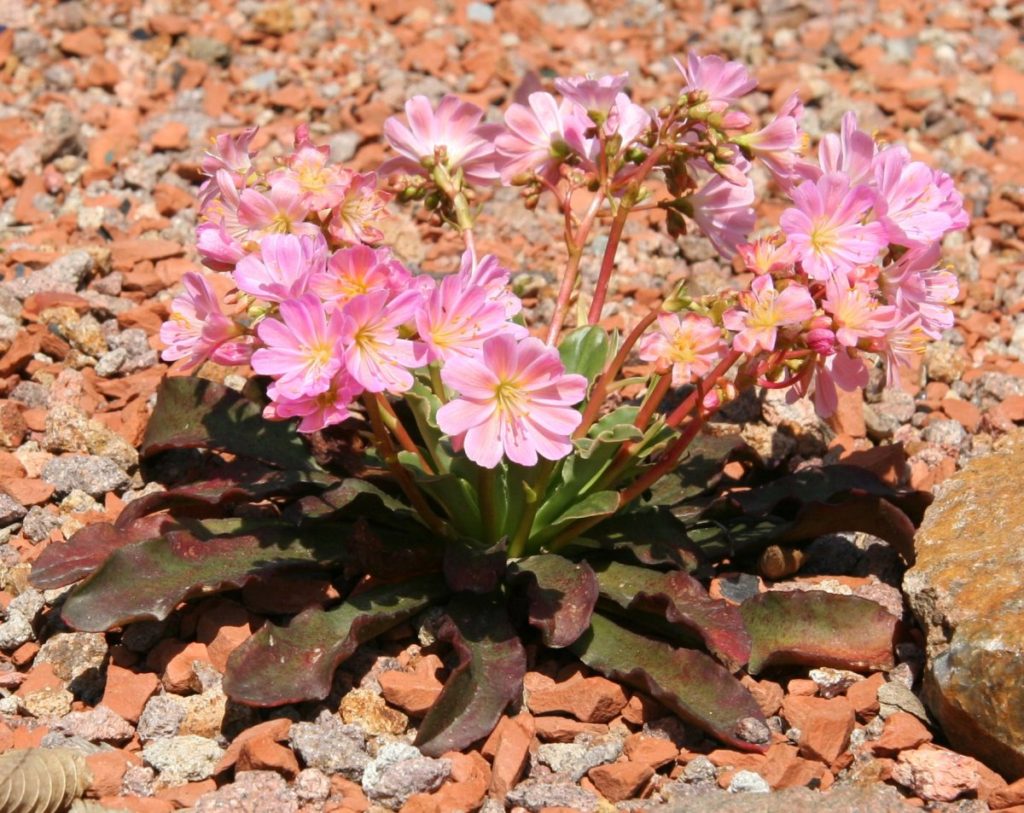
(748, 782)
(399, 770)
(535, 795)
(92, 474)
(368, 710)
(574, 759)
(77, 658)
(752, 730)
(207, 49)
(263, 754)
(947, 433)
(110, 362)
(620, 780)
(11, 510)
(64, 275)
(480, 13)
(331, 746)
(895, 696)
(825, 725)
(700, 769)
(182, 759)
(833, 682)
(567, 15)
(312, 786)
(127, 692)
(902, 732)
(48, 703)
(937, 775)
(251, 792)
(412, 692)
(161, 718)
(97, 725)
(591, 700)
(653, 751)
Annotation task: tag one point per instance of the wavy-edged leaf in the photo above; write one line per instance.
(586, 351)
(489, 675)
(352, 497)
(148, 579)
(280, 665)
(472, 568)
(679, 599)
(239, 481)
(560, 596)
(88, 548)
(193, 413)
(41, 780)
(816, 628)
(687, 682)
(597, 504)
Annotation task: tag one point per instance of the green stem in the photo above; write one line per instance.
(486, 486)
(391, 421)
(517, 546)
(436, 384)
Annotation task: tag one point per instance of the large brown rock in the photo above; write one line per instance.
(967, 591)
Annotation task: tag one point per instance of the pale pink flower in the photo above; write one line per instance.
(594, 95)
(840, 371)
(452, 136)
(198, 329)
(952, 202)
(826, 226)
(280, 210)
(779, 144)
(534, 141)
(763, 311)
(723, 82)
(856, 315)
(767, 255)
(850, 153)
(724, 212)
(375, 355)
(303, 349)
(309, 168)
(691, 346)
(218, 248)
(318, 410)
(909, 202)
(901, 346)
(359, 270)
(456, 318)
(283, 268)
(917, 286)
(361, 206)
(628, 120)
(515, 399)
(230, 154)
(490, 275)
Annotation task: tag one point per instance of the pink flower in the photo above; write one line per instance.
(316, 410)
(534, 141)
(840, 370)
(361, 205)
(283, 268)
(780, 143)
(452, 136)
(901, 346)
(281, 210)
(953, 202)
(490, 275)
(826, 229)
(909, 202)
(724, 212)
(855, 313)
(918, 287)
(595, 96)
(199, 329)
(515, 398)
(764, 311)
(309, 168)
(359, 270)
(767, 255)
(302, 349)
(230, 154)
(691, 345)
(457, 317)
(723, 82)
(850, 153)
(374, 354)
(219, 250)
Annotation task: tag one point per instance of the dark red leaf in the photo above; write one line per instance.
(296, 662)
(685, 681)
(816, 628)
(489, 676)
(560, 596)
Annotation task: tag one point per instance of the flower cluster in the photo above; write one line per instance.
(334, 319)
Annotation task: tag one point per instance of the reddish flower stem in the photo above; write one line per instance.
(403, 437)
(575, 243)
(703, 386)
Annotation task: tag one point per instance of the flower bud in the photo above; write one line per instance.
(820, 337)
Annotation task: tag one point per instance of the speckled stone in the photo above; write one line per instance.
(966, 591)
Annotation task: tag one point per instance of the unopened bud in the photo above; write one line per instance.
(820, 337)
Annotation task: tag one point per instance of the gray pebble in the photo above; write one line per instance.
(331, 746)
(183, 759)
(399, 770)
(748, 782)
(92, 474)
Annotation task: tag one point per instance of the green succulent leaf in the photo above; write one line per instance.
(679, 599)
(597, 504)
(88, 548)
(296, 662)
(489, 675)
(586, 351)
(819, 629)
(687, 682)
(193, 413)
(560, 596)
